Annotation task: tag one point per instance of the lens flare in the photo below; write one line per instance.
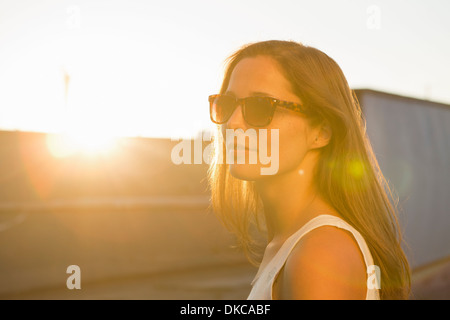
(356, 168)
(87, 143)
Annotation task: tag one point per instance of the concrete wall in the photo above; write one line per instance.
(411, 139)
(132, 215)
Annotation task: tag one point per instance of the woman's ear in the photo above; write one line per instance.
(323, 135)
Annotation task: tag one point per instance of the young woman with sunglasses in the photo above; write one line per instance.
(331, 228)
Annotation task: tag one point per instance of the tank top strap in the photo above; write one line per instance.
(271, 270)
(319, 221)
(277, 262)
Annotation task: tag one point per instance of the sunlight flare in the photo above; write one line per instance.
(87, 143)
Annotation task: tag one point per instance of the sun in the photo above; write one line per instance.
(87, 143)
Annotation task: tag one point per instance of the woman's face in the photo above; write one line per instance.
(260, 76)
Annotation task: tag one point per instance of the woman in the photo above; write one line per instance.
(332, 232)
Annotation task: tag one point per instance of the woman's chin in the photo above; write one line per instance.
(248, 172)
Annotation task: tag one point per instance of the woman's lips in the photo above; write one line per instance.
(231, 146)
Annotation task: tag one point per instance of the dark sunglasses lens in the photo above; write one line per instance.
(221, 108)
(258, 111)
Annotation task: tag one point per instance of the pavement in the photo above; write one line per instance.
(163, 254)
(226, 282)
(218, 283)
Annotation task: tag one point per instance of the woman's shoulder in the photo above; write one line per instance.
(326, 263)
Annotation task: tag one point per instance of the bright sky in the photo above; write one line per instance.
(145, 68)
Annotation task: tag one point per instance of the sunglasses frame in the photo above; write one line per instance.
(294, 106)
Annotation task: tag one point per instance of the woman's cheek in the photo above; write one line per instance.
(292, 150)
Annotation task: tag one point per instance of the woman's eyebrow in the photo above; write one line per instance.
(252, 94)
(260, 94)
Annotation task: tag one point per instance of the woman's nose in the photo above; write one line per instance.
(236, 120)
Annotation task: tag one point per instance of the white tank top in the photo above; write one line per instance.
(263, 282)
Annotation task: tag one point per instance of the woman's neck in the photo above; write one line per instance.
(290, 200)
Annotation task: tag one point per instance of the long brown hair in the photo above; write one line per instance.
(347, 173)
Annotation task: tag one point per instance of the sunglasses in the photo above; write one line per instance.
(257, 111)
